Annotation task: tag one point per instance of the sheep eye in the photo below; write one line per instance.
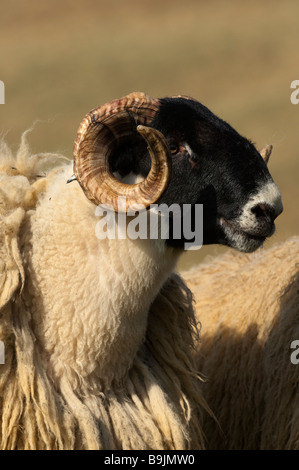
(173, 148)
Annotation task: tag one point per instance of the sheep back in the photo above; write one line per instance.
(248, 306)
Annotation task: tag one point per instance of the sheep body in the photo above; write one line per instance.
(99, 333)
(248, 307)
(53, 392)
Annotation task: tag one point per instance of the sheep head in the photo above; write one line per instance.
(185, 155)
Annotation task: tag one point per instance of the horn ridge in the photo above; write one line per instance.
(100, 132)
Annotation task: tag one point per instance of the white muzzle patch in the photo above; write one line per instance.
(268, 195)
(248, 231)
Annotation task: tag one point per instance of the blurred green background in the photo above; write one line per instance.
(61, 58)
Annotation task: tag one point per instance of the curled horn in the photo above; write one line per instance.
(100, 133)
(266, 152)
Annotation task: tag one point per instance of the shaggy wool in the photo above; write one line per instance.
(248, 306)
(78, 374)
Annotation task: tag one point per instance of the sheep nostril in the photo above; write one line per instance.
(265, 211)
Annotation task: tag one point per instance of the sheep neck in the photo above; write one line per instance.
(88, 298)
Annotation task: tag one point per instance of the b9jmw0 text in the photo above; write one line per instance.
(172, 459)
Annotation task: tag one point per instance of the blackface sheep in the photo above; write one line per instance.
(99, 334)
(248, 306)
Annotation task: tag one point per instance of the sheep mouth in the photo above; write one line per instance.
(244, 240)
(259, 233)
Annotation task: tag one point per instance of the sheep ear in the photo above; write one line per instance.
(266, 152)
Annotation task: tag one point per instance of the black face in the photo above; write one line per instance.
(212, 165)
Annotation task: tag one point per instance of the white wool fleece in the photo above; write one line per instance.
(89, 297)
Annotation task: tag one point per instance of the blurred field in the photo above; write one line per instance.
(59, 59)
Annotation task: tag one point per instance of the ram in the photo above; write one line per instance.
(99, 334)
(248, 306)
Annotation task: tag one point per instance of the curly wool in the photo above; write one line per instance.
(51, 403)
(248, 306)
